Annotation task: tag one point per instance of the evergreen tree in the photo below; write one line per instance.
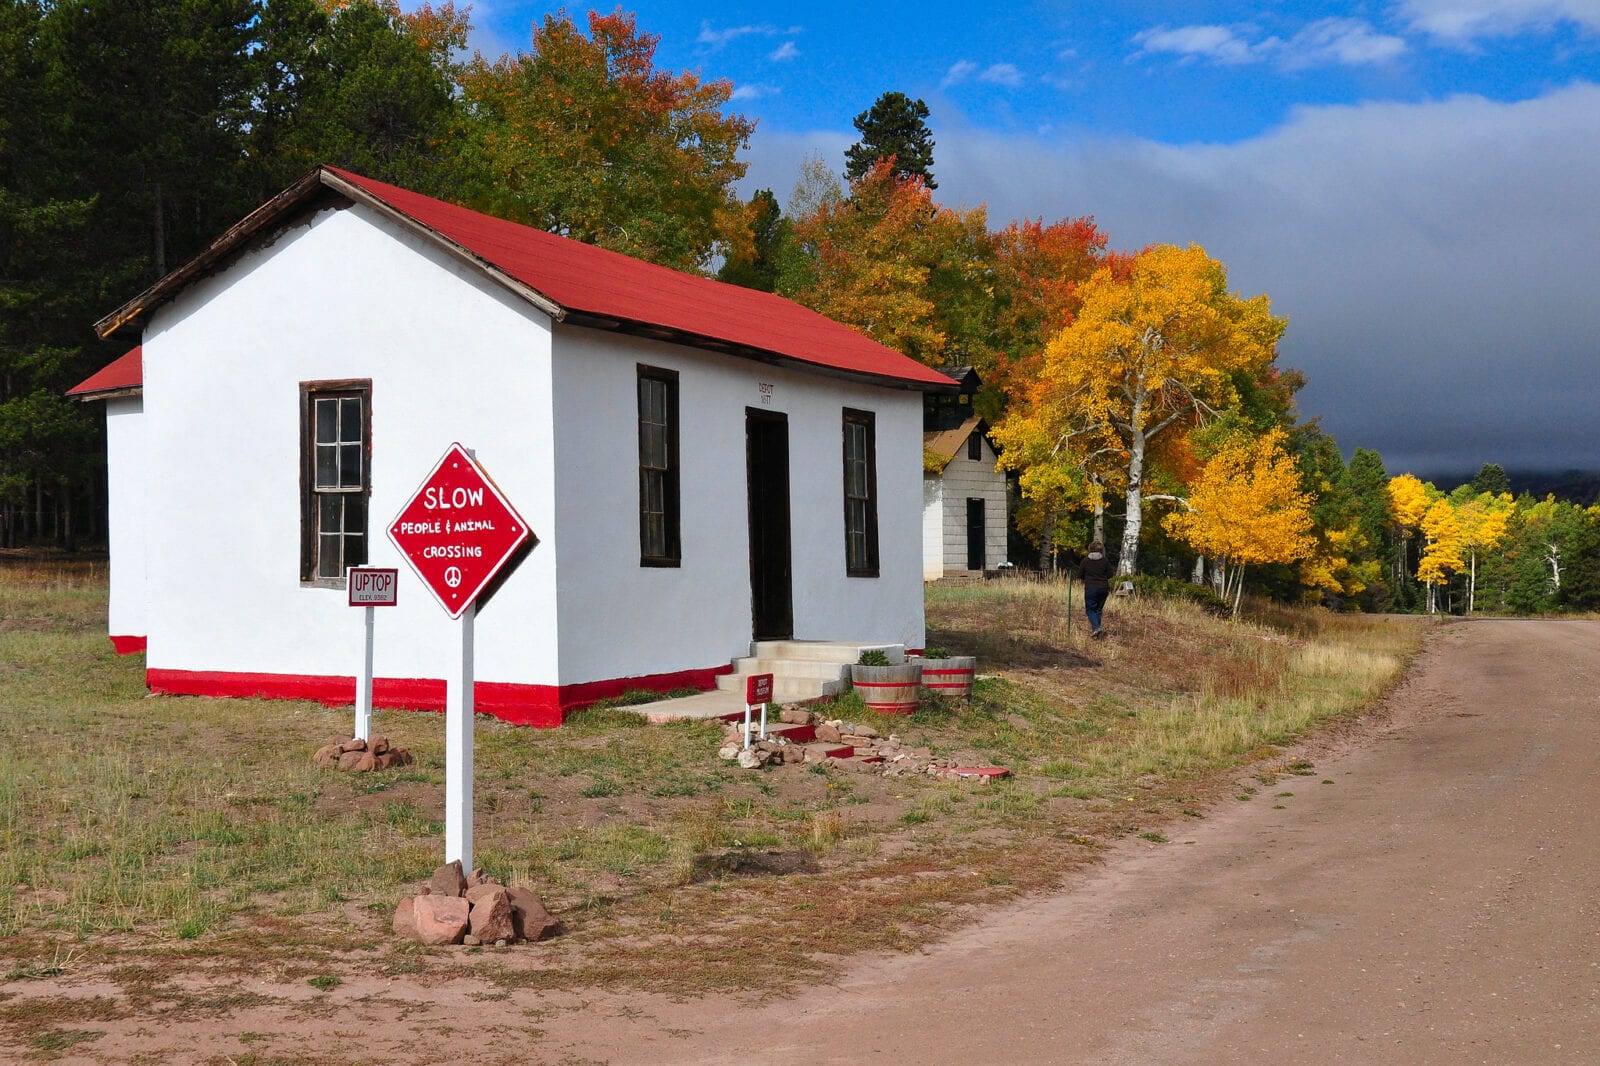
(895, 127)
(756, 266)
(1492, 479)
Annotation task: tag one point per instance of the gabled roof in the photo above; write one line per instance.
(945, 444)
(124, 377)
(576, 283)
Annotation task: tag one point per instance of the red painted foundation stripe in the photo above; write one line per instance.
(129, 645)
(533, 705)
(891, 708)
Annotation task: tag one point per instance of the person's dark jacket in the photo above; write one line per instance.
(1096, 573)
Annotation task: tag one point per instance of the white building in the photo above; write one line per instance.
(965, 505)
(702, 464)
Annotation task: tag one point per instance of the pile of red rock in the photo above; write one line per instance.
(360, 756)
(808, 737)
(472, 909)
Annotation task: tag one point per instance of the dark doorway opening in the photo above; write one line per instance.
(766, 435)
(975, 545)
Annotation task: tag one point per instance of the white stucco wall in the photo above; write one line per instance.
(126, 493)
(967, 479)
(618, 618)
(451, 357)
(932, 527)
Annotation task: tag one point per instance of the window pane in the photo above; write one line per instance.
(330, 516)
(350, 466)
(655, 538)
(655, 446)
(327, 421)
(327, 474)
(328, 561)
(355, 512)
(355, 550)
(654, 492)
(350, 419)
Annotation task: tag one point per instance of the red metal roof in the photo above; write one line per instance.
(594, 281)
(123, 375)
(587, 285)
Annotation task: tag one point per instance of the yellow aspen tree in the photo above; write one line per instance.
(1484, 519)
(1408, 500)
(1441, 553)
(1245, 508)
(1156, 346)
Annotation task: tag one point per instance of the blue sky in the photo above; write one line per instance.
(1412, 182)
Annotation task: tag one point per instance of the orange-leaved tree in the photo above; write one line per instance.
(583, 136)
(1158, 343)
(1245, 508)
(891, 263)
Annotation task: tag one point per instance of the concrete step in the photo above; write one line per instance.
(820, 669)
(785, 689)
(839, 651)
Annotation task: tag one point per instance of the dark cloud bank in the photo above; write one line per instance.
(1439, 263)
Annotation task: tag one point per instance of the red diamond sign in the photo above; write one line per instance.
(458, 530)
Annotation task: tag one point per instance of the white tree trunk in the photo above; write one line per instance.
(1128, 561)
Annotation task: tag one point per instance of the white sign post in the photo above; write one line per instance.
(458, 531)
(369, 587)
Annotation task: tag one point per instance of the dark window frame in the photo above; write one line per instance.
(314, 496)
(660, 520)
(860, 493)
(975, 447)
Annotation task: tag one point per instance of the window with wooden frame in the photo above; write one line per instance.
(860, 494)
(335, 478)
(975, 446)
(658, 467)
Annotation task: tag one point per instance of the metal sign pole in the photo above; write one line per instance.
(364, 683)
(458, 711)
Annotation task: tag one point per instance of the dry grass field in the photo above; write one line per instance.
(150, 840)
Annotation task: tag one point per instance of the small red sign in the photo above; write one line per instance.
(458, 530)
(372, 586)
(758, 689)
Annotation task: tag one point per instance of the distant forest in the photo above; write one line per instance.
(1581, 487)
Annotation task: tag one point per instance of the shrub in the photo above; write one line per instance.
(1166, 588)
(873, 657)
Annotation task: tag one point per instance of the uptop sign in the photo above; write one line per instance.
(372, 586)
(758, 689)
(458, 531)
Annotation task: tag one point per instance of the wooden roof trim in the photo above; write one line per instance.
(359, 195)
(268, 214)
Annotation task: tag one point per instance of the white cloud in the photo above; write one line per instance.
(1339, 42)
(959, 71)
(995, 74)
(1463, 20)
(1435, 260)
(756, 91)
(1219, 44)
(786, 51)
(1002, 74)
(714, 40)
(1326, 42)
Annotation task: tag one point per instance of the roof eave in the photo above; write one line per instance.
(688, 339)
(107, 394)
(273, 211)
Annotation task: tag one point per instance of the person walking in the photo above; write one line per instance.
(1095, 572)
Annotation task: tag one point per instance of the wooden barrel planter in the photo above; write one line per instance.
(951, 677)
(888, 689)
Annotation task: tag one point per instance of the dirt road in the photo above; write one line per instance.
(1429, 895)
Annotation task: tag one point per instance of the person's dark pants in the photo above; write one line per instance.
(1094, 602)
